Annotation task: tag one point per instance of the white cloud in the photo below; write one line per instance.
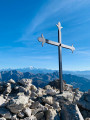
(50, 9)
(83, 51)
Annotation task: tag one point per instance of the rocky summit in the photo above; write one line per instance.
(22, 100)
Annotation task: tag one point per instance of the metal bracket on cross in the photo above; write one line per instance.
(60, 45)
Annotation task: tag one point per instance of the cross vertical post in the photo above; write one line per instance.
(60, 58)
(60, 45)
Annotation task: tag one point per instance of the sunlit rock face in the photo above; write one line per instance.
(24, 101)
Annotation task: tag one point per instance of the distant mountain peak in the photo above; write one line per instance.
(31, 67)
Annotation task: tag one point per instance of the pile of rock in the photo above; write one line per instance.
(23, 101)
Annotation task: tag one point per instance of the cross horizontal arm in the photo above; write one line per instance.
(68, 47)
(43, 40)
(52, 42)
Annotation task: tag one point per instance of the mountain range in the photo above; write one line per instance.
(41, 79)
(85, 74)
(31, 69)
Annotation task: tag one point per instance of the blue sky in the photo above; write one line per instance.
(23, 21)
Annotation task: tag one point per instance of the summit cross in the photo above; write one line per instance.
(60, 46)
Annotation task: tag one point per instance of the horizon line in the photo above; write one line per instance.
(39, 68)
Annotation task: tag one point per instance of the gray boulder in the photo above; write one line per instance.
(2, 101)
(25, 82)
(51, 114)
(8, 89)
(22, 89)
(49, 100)
(68, 87)
(65, 98)
(51, 92)
(34, 95)
(18, 103)
(11, 81)
(20, 114)
(40, 109)
(27, 111)
(33, 88)
(41, 92)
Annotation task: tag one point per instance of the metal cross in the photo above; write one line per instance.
(60, 45)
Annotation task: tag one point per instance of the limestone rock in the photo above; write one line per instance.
(40, 109)
(36, 105)
(30, 102)
(18, 103)
(65, 98)
(49, 100)
(22, 89)
(8, 88)
(21, 114)
(77, 95)
(51, 114)
(11, 81)
(25, 82)
(56, 105)
(20, 94)
(33, 88)
(40, 92)
(68, 87)
(51, 92)
(27, 111)
(2, 101)
(34, 95)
